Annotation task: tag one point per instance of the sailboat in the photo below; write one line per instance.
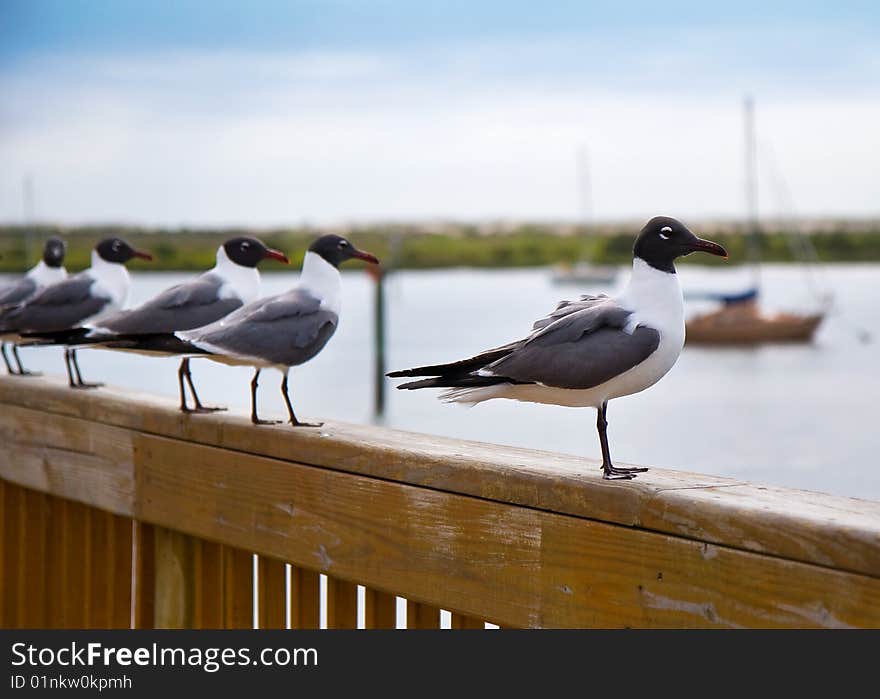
(740, 320)
(584, 271)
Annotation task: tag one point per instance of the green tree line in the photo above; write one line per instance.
(413, 247)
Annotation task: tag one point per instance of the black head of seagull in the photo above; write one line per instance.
(118, 251)
(335, 249)
(53, 252)
(663, 239)
(249, 252)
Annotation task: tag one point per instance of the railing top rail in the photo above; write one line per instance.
(816, 528)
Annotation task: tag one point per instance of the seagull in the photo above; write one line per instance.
(50, 270)
(280, 331)
(592, 350)
(233, 282)
(81, 299)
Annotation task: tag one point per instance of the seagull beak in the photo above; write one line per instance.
(143, 255)
(276, 255)
(365, 256)
(700, 245)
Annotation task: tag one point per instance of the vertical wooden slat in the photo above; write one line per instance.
(174, 608)
(208, 579)
(238, 588)
(3, 570)
(272, 597)
(342, 599)
(460, 621)
(99, 590)
(32, 579)
(56, 563)
(305, 609)
(119, 572)
(13, 497)
(144, 576)
(380, 610)
(422, 616)
(76, 565)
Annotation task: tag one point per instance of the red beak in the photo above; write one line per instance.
(276, 255)
(708, 246)
(365, 256)
(143, 255)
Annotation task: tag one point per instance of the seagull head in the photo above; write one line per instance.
(249, 252)
(118, 251)
(335, 250)
(663, 239)
(53, 252)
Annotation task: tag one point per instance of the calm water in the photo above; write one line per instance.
(799, 416)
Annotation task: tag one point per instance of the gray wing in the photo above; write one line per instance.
(182, 307)
(17, 291)
(565, 308)
(287, 329)
(58, 307)
(581, 349)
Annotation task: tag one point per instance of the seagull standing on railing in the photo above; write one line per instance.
(81, 299)
(50, 270)
(589, 351)
(232, 282)
(280, 331)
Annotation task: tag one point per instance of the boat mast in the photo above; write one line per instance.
(751, 184)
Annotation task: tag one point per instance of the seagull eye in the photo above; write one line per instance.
(115, 245)
(343, 243)
(245, 246)
(664, 232)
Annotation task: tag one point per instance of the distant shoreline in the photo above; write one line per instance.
(430, 246)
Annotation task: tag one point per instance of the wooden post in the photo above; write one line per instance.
(380, 610)
(174, 580)
(144, 576)
(238, 588)
(422, 616)
(305, 606)
(272, 593)
(342, 599)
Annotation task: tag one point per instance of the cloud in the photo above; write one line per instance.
(466, 130)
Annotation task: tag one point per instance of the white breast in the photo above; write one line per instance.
(111, 282)
(239, 282)
(43, 275)
(322, 280)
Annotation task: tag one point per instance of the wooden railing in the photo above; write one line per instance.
(118, 511)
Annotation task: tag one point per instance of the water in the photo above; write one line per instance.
(798, 416)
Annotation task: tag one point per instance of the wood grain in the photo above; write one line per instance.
(145, 576)
(422, 616)
(305, 609)
(513, 566)
(272, 595)
(238, 588)
(208, 581)
(839, 532)
(380, 609)
(342, 604)
(461, 621)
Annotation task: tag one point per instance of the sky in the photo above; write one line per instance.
(267, 113)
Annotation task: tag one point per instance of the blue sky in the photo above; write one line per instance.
(279, 112)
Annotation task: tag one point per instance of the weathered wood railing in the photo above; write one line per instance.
(118, 511)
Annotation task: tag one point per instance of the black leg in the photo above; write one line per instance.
(21, 370)
(184, 373)
(610, 471)
(79, 380)
(293, 420)
(254, 418)
(184, 408)
(70, 380)
(9, 369)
